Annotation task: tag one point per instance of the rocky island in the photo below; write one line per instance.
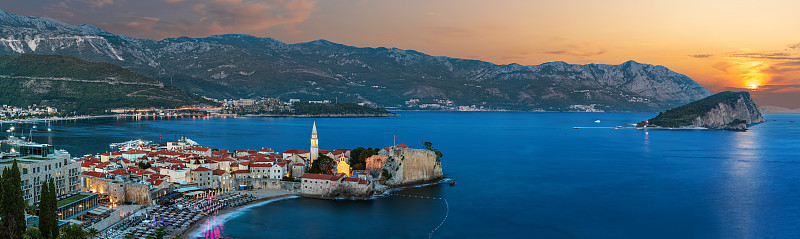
(722, 111)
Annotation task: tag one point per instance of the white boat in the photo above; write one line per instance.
(597, 121)
(49, 129)
(34, 126)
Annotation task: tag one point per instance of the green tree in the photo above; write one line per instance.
(44, 219)
(73, 231)
(355, 155)
(32, 233)
(48, 220)
(361, 162)
(385, 175)
(357, 161)
(12, 204)
(92, 233)
(322, 165)
(160, 233)
(53, 202)
(429, 146)
(144, 165)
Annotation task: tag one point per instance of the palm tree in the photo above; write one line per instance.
(92, 233)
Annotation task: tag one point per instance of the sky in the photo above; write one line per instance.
(723, 45)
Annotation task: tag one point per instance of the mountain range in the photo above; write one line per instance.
(244, 66)
(77, 86)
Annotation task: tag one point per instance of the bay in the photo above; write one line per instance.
(518, 175)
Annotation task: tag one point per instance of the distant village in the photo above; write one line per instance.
(8, 112)
(126, 186)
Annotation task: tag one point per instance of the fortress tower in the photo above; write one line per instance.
(314, 143)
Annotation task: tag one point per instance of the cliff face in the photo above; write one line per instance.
(732, 116)
(725, 111)
(413, 166)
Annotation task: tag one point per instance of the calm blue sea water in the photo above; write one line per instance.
(519, 175)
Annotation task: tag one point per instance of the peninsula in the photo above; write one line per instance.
(722, 111)
(180, 184)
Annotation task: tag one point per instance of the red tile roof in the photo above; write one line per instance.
(201, 169)
(261, 165)
(155, 182)
(135, 152)
(119, 172)
(338, 176)
(294, 151)
(241, 171)
(177, 167)
(317, 176)
(219, 172)
(95, 174)
(340, 151)
(353, 180)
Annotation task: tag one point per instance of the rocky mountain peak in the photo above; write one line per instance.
(244, 66)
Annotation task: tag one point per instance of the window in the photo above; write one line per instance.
(24, 171)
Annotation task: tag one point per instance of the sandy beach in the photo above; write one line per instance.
(263, 195)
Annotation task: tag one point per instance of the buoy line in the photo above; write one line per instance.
(447, 205)
(446, 213)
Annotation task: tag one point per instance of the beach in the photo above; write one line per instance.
(262, 195)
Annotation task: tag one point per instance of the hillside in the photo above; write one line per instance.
(724, 110)
(243, 66)
(74, 85)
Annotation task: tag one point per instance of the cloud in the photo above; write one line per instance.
(97, 3)
(578, 53)
(723, 66)
(701, 56)
(774, 55)
(770, 88)
(174, 18)
(576, 49)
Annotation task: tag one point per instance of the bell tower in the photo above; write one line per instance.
(314, 143)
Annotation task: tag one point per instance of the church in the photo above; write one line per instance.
(340, 156)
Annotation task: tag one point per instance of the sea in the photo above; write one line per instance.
(516, 174)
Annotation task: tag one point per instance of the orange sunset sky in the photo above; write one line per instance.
(723, 45)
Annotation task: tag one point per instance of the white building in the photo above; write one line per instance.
(314, 143)
(40, 162)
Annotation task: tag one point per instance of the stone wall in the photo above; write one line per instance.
(268, 183)
(137, 193)
(118, 191)
(413, 166)
(376, 162)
